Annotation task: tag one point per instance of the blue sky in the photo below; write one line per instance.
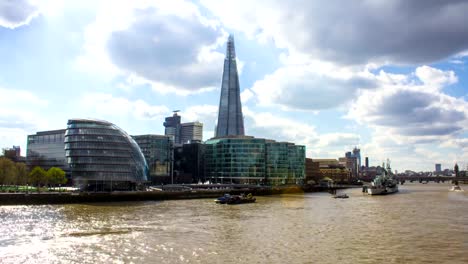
(387, 76)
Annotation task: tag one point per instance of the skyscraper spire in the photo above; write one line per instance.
(230, 118)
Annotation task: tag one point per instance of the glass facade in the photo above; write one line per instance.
(102, 157)
(230, 118)
(157, 150)
(45, 149)
(254, 161)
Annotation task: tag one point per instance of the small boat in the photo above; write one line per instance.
(223, 199)
(456, 188)
(342, 196)
(240, 199)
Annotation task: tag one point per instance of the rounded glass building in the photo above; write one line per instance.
(103, 157)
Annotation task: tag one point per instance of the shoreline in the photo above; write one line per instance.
(103, 197)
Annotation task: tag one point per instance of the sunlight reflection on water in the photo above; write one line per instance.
(422, 223)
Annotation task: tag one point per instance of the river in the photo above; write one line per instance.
(423, 223)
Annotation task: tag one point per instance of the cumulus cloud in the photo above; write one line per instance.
(417, 112)
(303, 88)
(168, 45)
(435, 77)
(394, 31)
(19, 116)
(16, 13)
(108, 105)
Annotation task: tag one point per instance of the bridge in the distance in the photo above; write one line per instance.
(424, 179)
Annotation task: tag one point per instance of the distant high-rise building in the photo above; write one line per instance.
(367, 162)
(357, 155)
(438, 167)
(192, 131)
(182, 133)
(172, 127)
(230, 118)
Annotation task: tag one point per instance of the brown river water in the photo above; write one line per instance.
(423, 223)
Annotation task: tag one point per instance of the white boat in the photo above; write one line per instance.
(456, 188)
(383, 183)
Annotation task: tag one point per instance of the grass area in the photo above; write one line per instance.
(10, 189)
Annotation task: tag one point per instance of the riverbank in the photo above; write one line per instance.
(102, 197)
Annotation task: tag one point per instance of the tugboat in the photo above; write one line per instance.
(239, 199)
(236, 199)
(383, 183)
(223, 199)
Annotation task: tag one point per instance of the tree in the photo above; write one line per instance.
(56, 176)
(38, 176)
(7, 171)
(21, 173)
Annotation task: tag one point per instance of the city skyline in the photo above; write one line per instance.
(319, 82)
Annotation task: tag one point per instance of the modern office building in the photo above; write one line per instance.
(245, 159)
(230, 118)
(45, 149)
(191, 132)
(367, 162)
(188, 163)
(172, 127)
(103, 157)
(158, 152)
(438, 168)
(182, 133)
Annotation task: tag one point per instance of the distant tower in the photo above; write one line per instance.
(172, 127)
(367, 162)
(438, 167)
(357, 155)
(230, 118)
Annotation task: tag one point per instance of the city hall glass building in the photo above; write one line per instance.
(103, 157)
(244, 159)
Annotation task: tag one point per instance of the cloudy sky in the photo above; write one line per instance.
(387, 76)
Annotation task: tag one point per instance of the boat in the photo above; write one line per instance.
(240, 199)
(223, 199)
(384, 183)
(341, 196)
(456, 188)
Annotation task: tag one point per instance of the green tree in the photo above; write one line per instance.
(21, 173)
(56, 176)
(7, 171)
(37, 176)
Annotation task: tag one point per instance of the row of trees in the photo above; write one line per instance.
(17, 174)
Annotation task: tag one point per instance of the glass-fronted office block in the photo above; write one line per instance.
(157, 150)
(251, 160)
(45, 149)
(103, 157)
(235, 160)
(296, 154)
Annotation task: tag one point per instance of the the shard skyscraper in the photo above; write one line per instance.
(230, 118)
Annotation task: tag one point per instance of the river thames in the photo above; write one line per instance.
(423, 223)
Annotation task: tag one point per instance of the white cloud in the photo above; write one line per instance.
(20, 116)
(168, 45)
(382, 32)
(16, 13)
(105, 105)
(435, 77)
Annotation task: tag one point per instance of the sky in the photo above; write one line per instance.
(389, 77)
